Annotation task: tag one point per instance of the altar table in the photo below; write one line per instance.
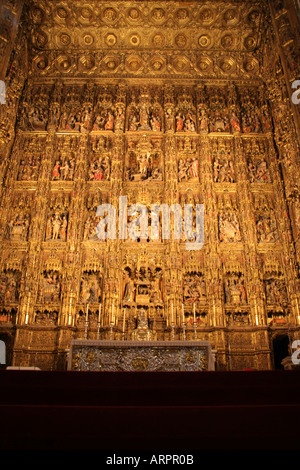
(152, 356)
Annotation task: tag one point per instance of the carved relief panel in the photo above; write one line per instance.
(188, 159)
(142, 286)
(73, 114)
(63, 166)
(194, 288)
(31, 157)
(10, 283)
(20, 217)
(229, 225)
(35, 108)
(250, 110)
(144, 159)
(145, 112)
(90, 287)
(266, 224)
(256, 154)
(222, 155)
(185, 118)
(50, 287)
(57, 218)
(100, 158)
(91, 221)
(218, 110)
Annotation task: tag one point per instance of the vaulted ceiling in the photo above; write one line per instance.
(167, 39)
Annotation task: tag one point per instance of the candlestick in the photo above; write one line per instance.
(26, 317)
(99, 315)
(214, 314)
(195, 324)
(172, 331)
(183, 323)
(86, 330)
(70, 312)
(256, 314)
(111, 331)
(87, 313)
(124, 313)
(172, 313)
(112, 314)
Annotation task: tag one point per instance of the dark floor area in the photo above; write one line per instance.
(247, 410)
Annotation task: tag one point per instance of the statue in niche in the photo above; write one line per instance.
(275, 291)
(258, 171)
(188, 169)
(144, 118)
(156, 293)
(99, 123)
(185, 122)
(109, 121)
(235, 122)
(67, 169)
(203, 121)
(179, 122)
(10, 286)
(56, 227)
(63, 171)
(56, 171)
(143, 165)
(129, 289)
(133, 121)
(85, 121)
(50, 287)
(223, 171)
(120, 119)
(219, 123)
(90, 227)
(90, 288)
(169, 119)
(34, 119)
(155, 122)
(54, 117)
(266, 229)
(235, 292)
(63, 120)
(28, 170)
(229, 230)
(70, 121)
(18, 227)
(251, 122)
(190, 123)
(266, 121)
(142, 332)
(194, 288)
(99, 168)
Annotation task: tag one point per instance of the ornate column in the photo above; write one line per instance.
(172, 275)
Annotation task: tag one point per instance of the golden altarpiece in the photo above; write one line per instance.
(162, 102)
